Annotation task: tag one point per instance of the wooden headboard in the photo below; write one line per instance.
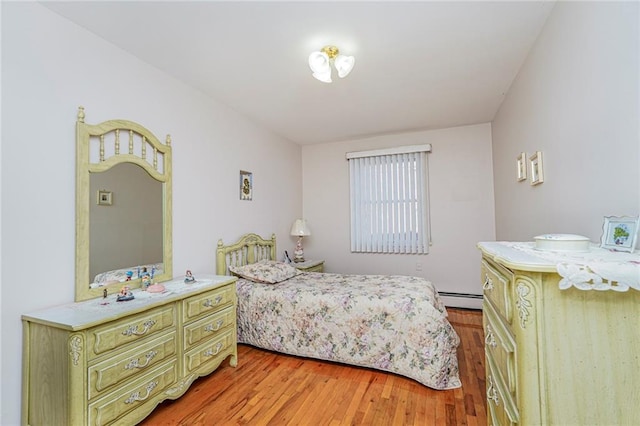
(250, 248)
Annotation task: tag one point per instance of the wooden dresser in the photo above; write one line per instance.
(557, 356)
(103, 362)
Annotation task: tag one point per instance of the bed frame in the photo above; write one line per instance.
(428, 357)
(250, 248)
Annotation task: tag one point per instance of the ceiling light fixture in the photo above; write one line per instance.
(320, 63)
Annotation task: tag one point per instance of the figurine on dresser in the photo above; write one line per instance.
(188, 277)
(146, 280)
(125, 294)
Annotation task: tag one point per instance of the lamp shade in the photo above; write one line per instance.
(300, 228)
(344, 65)
(319, 62)
(324, 77)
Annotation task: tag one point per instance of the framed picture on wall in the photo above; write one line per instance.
(521, 165)
(104, 198)
(620, 233)
(246, 185)
(535, 167)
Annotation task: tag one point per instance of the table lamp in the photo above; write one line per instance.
(299, 229)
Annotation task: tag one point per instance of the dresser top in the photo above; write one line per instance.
(81, 315)
(509, 255)
(595, 269)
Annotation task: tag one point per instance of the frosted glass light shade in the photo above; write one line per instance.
(344, 65)
(319, 62)
(324, 77)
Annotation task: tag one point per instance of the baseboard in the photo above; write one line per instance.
(461, 300)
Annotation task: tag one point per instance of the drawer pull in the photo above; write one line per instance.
(211, 327)
(490, 339)
(132, 330)
(492, 392)
(210, 352)
(208, 303)
(488, 283)
(135, 363)
(136, 395)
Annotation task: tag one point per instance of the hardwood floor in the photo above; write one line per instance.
(267, 388)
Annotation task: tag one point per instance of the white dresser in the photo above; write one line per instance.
(103, 362)
(558, 351)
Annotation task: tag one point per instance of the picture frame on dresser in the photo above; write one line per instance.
(620, 233)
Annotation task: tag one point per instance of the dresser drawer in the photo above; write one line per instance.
(501, 407)
(208, 327)
(211, 352)
(500, 345)
(497, 283)
(134, 362)
(130, 329)
(147, 389)
(211, 301)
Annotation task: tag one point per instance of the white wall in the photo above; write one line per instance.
(50, 67)
(462, 203)
(576, 100)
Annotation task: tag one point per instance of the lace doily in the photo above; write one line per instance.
(597, 269)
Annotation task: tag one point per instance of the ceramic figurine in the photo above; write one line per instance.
(146, 280)
(125, 294)
(189, 278)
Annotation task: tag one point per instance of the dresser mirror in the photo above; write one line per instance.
(123, 207)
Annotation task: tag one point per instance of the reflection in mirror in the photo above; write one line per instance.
(125, 228)
(123, 206)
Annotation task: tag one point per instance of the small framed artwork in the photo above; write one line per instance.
(535, 168)
(620, 233)
(105, 198)
(246, 185)
(521, 163)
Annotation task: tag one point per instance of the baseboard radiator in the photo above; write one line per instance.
(461, 300)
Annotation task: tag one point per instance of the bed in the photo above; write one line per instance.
(391, 323)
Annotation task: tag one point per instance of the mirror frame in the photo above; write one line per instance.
(84, 169)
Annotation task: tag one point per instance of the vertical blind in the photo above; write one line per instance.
(389, 195)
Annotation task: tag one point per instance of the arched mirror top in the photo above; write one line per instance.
(123, 207)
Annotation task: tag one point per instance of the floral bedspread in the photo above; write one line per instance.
(392, 323)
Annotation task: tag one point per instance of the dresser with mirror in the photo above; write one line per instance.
(120, 349)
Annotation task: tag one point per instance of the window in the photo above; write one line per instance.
(389, 196)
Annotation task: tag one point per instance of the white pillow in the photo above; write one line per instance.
(266, 271)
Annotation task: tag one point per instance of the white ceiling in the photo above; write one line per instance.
(419, 65)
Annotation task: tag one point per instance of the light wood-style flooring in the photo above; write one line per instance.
(267, 388)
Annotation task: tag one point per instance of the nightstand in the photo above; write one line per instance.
(310, 265)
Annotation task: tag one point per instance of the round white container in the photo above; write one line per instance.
(562, 242)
